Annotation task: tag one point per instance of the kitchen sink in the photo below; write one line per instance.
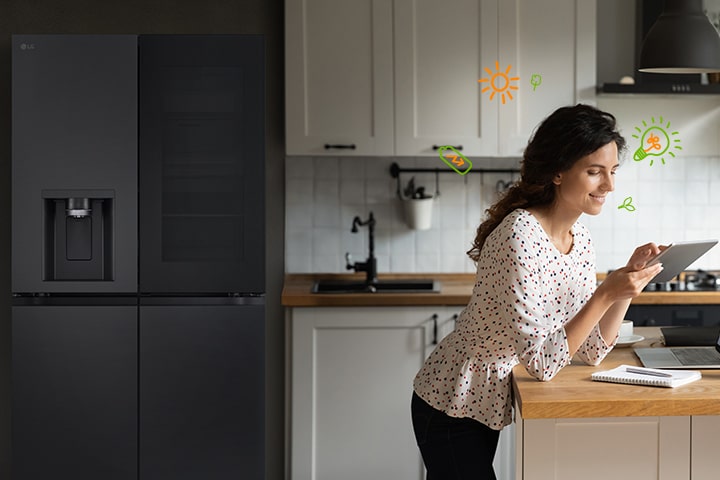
(414, 285)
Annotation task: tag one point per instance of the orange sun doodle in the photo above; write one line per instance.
(499, 82)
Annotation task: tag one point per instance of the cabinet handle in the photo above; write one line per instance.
(434, 319)
(350, 146)
(456, 147)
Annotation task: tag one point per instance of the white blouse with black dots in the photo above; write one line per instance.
(525, 292)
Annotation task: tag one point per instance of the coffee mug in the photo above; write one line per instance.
(626, 328)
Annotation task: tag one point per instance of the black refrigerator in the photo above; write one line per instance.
(138, 257)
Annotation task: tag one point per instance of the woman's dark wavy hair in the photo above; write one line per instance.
(563, 138)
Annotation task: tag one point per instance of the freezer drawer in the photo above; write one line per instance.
(74, 376)
(202, 392)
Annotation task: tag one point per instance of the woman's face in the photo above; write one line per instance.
(584, 187)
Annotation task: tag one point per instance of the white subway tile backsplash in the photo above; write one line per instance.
(352, 191)
(676, 201)
(299, 167)
(327, 168)
(352, 168)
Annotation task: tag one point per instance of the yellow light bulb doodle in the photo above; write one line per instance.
(627, 205)
(499, 82)
(655, 142)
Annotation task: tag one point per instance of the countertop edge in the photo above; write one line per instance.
(456, 290)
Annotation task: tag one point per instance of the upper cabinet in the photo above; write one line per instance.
(338, 79)
(441, 49)
(402, 78)
(551, 47)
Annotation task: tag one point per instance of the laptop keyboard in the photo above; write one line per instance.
(696, 356)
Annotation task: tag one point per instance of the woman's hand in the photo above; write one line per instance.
(643, 254)
(628, 281)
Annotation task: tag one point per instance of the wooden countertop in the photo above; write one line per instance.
(571, 394)
(455, 290)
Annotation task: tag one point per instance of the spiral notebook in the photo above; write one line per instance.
(653, 377)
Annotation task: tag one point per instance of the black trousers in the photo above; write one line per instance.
(453, 448)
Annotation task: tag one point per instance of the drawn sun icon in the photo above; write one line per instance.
(499, 82)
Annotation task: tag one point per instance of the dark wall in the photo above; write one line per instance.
(160, 16)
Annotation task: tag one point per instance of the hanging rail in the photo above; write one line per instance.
(396, 170)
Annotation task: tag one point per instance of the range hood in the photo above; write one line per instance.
(655, 54)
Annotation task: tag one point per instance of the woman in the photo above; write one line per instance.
(535, 300)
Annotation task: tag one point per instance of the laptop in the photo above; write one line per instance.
(681, 357)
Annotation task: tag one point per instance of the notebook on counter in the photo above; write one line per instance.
(647, 376)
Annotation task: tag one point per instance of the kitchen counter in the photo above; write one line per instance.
(572, 427)
(455, 290)
(571, 394)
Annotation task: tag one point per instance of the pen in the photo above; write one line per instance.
(647, 371)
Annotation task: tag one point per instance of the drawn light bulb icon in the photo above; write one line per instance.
(655, 142)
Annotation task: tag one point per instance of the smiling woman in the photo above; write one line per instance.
(535, 300)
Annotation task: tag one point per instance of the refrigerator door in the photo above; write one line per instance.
(74, 144)
(202, 390)
(74, 391)
(202, 156)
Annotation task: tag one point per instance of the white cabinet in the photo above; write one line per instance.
(338, 82)
(554, 39)
(441, 49)
(398, 78)
(351, 383)
(641, 448)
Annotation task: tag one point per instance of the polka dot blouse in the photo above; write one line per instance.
(525, 292)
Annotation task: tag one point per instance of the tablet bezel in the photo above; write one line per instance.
(678, 256)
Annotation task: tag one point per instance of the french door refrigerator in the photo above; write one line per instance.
(138, 257)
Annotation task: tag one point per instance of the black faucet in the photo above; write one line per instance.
(369, 266)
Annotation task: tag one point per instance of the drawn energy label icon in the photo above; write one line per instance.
(499, 82)
(655, 141)
(455, 160)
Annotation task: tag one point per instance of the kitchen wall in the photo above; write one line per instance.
(675, 201)
(324, 194)
(161, 16)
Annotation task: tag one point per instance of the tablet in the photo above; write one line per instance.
(678, 256)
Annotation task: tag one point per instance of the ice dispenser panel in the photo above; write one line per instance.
(78, 234)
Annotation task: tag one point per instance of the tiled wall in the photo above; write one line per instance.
(676, 201)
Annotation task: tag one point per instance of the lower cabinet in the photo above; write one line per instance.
(350, 372)
(641, 448)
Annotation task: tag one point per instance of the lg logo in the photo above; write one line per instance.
(27, 46)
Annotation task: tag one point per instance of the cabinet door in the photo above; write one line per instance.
(641, 448)
(528, 31)
(442, 50)
(74, 392)
(338, 83)
(202, 391)
(352, 374)
(704, 443)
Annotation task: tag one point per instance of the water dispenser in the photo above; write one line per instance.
(78, 235)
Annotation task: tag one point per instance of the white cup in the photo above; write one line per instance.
(626, 328)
